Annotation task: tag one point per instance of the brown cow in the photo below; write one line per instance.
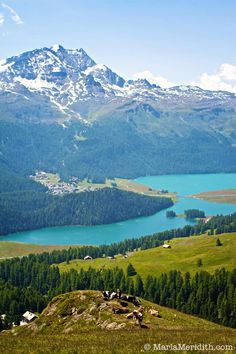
(129, 316)
(120, 310)
(154, 313)
(138, 316)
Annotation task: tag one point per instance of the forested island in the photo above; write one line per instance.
(28, 210)
(194, 214)
(188, 214)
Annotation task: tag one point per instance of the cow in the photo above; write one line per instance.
(113, 295)
(133, 299)
(119, 293)
(130, 298)
(136, 302)
(138, 316)
(120, 310)
(154, 313)
(106, 295)
(123, 297)
(129, 316)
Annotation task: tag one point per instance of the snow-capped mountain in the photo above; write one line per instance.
(70, 78)
(64, 76)
(60, 111)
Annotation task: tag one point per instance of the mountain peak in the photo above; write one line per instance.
(82, 51)
(68, 77)
(140, 83)
(57, 47)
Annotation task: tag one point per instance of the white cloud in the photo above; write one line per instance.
(228, 71)
(14, 15)
(153, 79)
(224, 79)
(1, 19)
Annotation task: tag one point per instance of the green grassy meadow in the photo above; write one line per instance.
(18, 249)
(182, 256)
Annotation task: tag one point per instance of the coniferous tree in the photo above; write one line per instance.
(138, 288)
(199, 263)
(130, 270)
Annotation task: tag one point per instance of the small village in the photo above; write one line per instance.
(57, 187)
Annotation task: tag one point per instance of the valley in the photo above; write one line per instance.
(84, 135)
(117, 177)
(181, 186)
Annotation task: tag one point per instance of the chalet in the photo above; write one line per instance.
(86, 258)
(27, 317)
(166, 246)
(3, 317)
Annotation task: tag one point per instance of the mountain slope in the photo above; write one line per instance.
(183, 256)
(50, 96)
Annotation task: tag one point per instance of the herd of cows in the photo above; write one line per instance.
(136, 314)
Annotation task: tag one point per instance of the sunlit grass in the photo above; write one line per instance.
(182, 256)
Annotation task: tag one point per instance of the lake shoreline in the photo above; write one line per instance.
(218, 196)
(185, 185)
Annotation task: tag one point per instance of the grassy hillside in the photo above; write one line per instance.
(183, 256)
(82, 322)
(18, 249)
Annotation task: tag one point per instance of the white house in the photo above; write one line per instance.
(166, 246)
(86, 258)
(27, 317)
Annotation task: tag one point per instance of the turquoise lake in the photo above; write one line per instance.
(184, 185)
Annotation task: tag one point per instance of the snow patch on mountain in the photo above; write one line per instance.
(4, 65)
(36, 84)
(69, 78)
(55, 47)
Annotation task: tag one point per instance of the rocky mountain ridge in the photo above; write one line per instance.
(69, 80)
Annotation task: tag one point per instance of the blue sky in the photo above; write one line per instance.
(174, 40)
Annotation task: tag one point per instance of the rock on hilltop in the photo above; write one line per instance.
(87, 310)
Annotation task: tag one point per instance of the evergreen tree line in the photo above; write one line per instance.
(217, 225)
(28, 210)
(210, 296)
